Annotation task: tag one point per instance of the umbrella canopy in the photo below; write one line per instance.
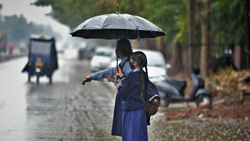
(117, 26)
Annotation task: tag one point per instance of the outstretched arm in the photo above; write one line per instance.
(99, 76)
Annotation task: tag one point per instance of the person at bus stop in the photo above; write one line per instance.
(133, 91)
(123, 51)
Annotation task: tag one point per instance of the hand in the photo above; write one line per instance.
(118, 84)
(111, 78)
(120, 72)
(86, 79)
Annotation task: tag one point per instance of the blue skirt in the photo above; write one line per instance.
(134, 125)
(117, 117)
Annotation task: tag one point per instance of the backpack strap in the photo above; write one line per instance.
(124, 76)
(121, 66)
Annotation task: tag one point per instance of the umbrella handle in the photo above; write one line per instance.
(116, 54)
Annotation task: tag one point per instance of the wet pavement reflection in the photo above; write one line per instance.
(66, 110)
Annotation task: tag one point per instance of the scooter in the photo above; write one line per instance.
(172, 90)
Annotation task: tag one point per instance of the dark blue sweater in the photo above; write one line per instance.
(131, 91)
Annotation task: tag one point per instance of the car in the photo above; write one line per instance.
(101, 58)
(89, 52)
(157, 67)
(81, 50)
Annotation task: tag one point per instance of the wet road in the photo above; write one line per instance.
(68, 111)
(64, 110)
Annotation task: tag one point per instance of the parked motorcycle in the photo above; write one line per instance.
(172, 90)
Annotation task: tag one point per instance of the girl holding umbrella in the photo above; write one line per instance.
(123, 51)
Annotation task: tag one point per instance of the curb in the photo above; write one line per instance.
(9, 57)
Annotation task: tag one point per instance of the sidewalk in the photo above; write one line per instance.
(16, 53)
(9, 57)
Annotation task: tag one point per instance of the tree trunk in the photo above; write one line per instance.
(177, 58)
(145, 44)
(160, 46)
(204, 49)
(191, 51)
(204, 18)
(247, 7)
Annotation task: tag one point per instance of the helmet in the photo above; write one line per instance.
(195, 70)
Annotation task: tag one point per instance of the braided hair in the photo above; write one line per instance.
(141, 60)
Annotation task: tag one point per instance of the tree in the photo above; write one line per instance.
(16, 29)
(227, 26)
(191, 40)
(203, 6)
(73, 12)
(218, 21)
(247, 9)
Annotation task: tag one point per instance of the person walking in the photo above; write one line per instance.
(10, 48)
(134, 93)
(123, 51)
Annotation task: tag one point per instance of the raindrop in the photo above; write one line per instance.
(238, 131)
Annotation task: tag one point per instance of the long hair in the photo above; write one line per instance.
(141, 59)
(124, 47)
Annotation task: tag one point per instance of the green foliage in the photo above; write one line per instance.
(73, 12)
(170, 15)
(16, 29)
(227, 20)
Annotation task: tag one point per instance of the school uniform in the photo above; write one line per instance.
(134, 120)
(117, 117)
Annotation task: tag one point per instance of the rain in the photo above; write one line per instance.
(200, 69)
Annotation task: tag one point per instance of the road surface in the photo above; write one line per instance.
(67, 111)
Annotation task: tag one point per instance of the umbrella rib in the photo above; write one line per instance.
(137, 27)
(133, 22)
(105, 21)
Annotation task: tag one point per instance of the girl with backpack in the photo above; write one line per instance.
(134, 93)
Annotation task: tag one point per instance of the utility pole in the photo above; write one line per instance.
(247, 9)
(191, 40)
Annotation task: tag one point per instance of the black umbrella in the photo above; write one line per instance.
(117, 26)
